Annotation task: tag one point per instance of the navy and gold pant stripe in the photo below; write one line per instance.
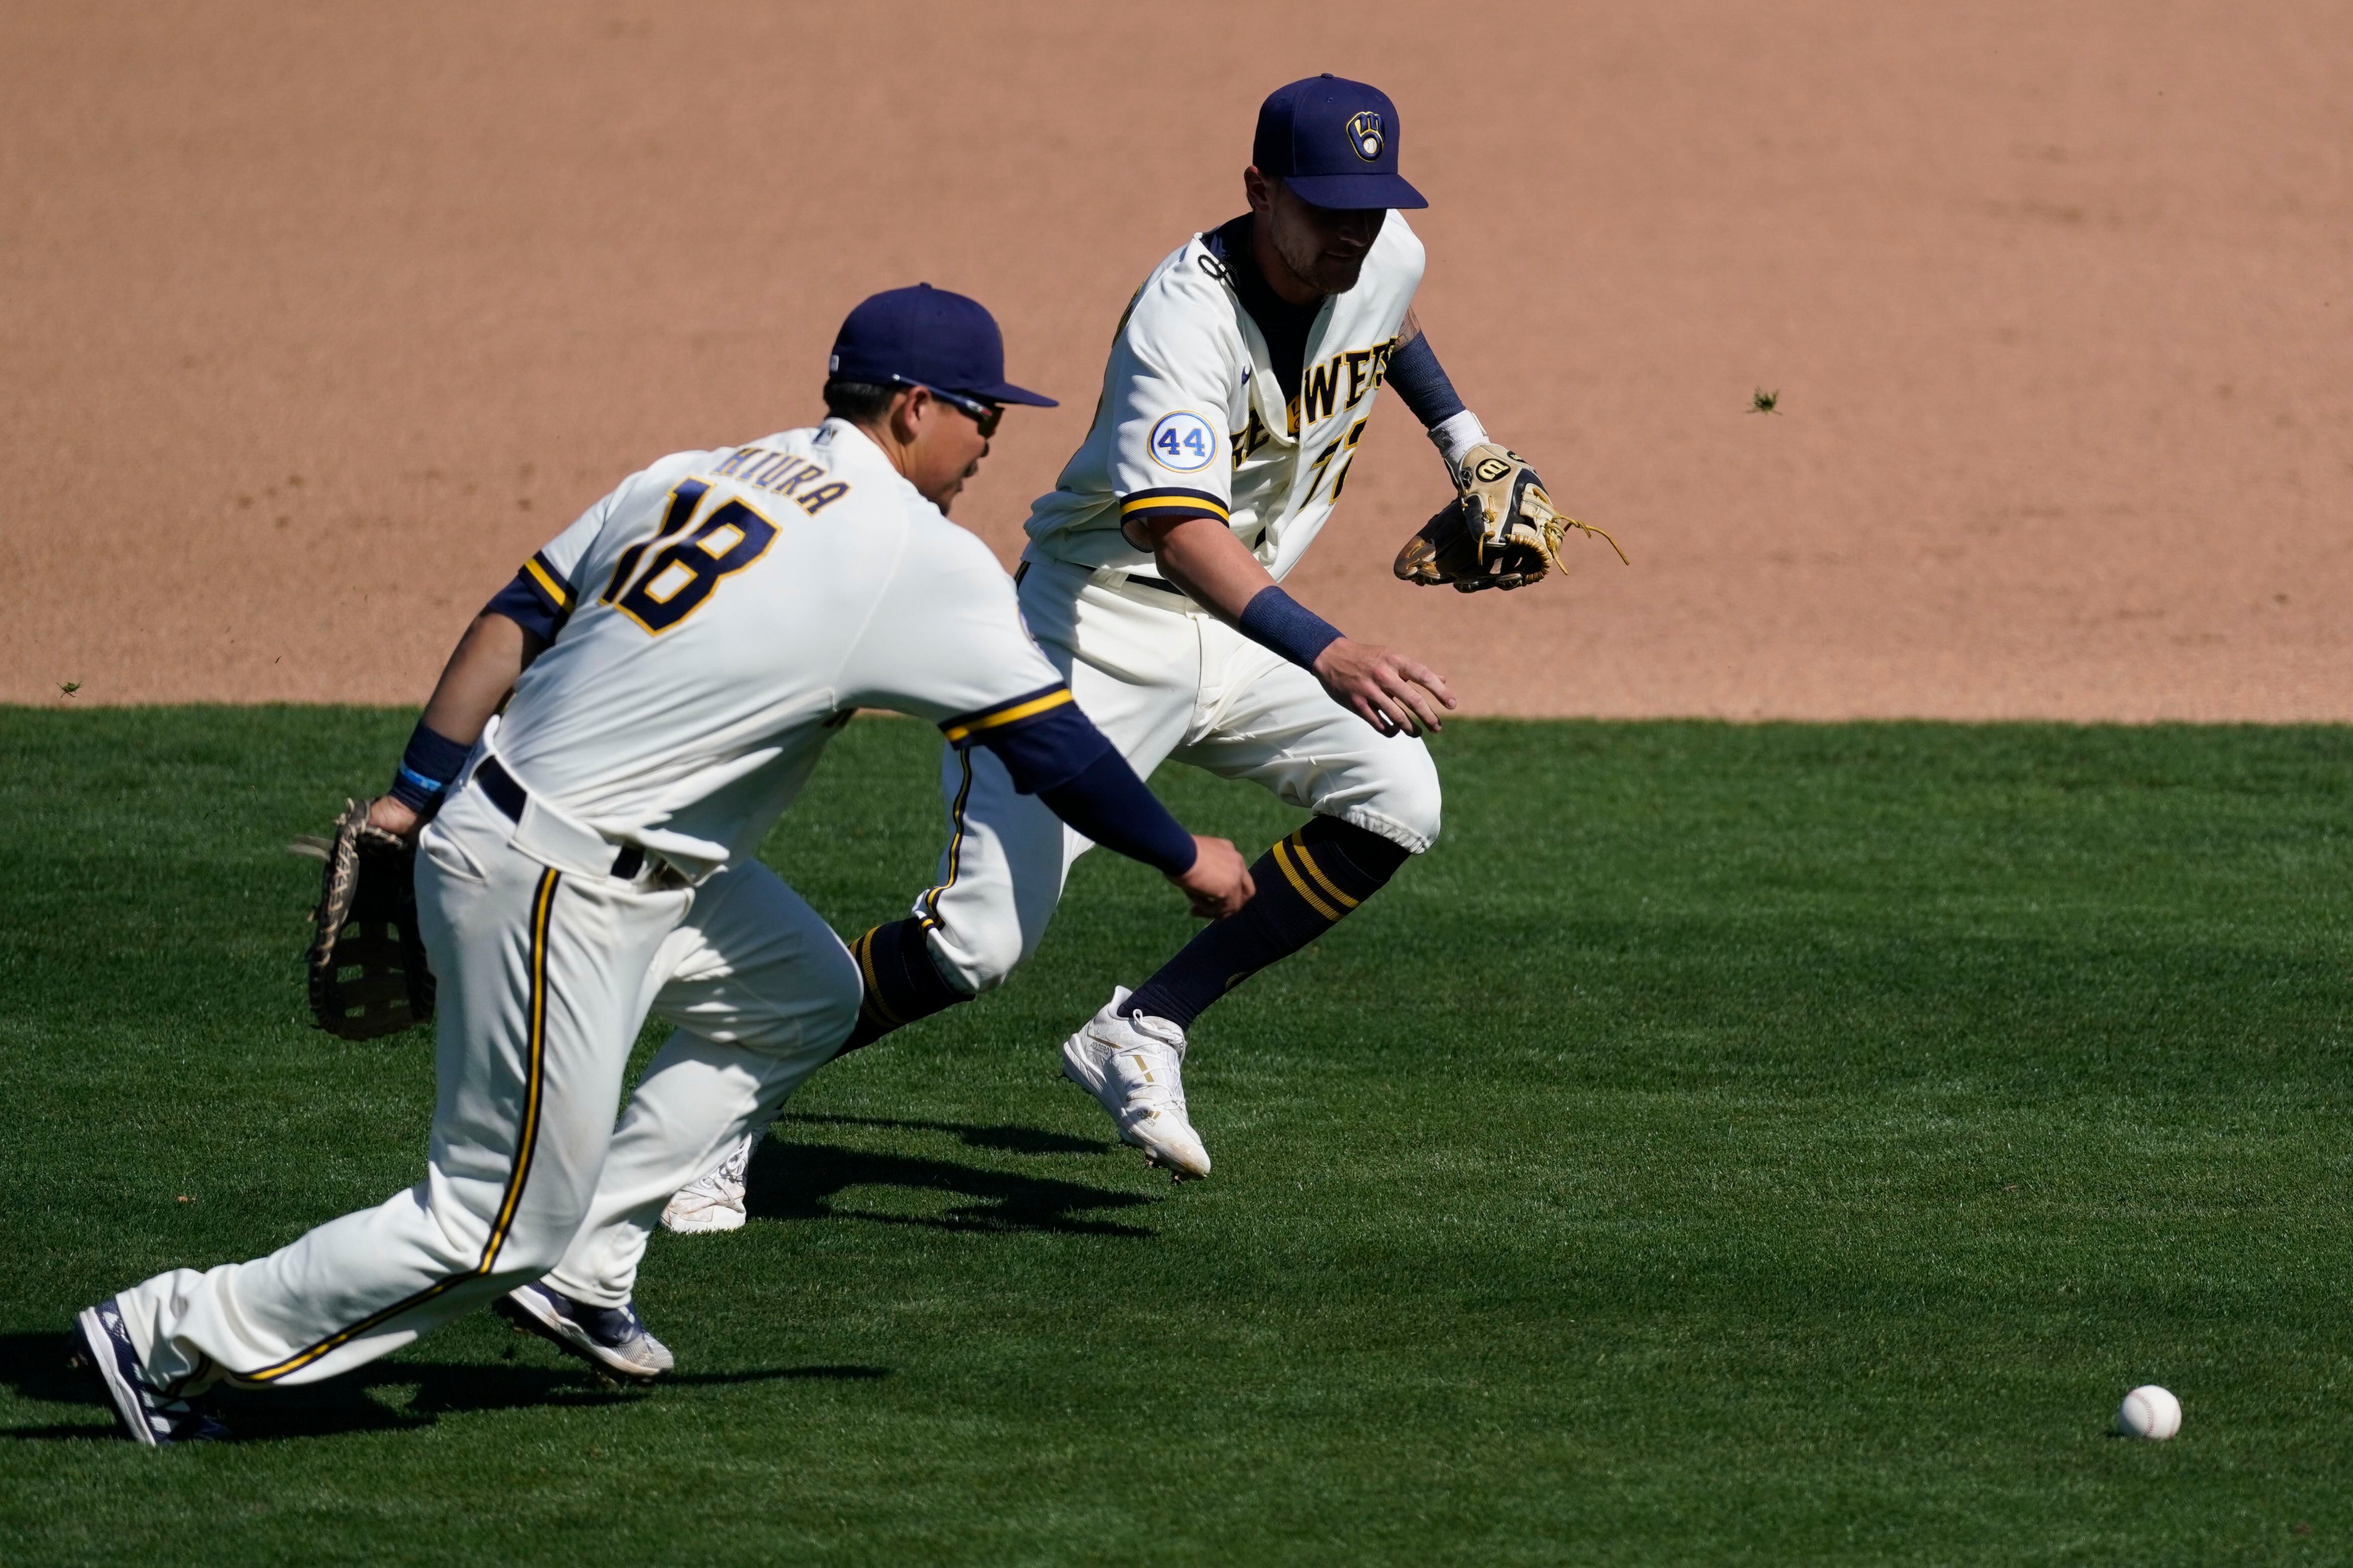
(1006, 727)
(931, 896)
(526, 1140)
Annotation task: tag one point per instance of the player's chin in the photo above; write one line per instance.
(1338, 274)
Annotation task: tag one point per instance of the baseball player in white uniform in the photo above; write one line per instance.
(1241, 381)
(678, 659)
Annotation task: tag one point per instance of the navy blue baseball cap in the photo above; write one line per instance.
(1334, 143)
(927, 335)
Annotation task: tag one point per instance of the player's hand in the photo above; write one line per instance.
(1382, 687)
(395, 818)
(1220, 881)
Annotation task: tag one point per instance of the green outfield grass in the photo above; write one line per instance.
(1729, 1145)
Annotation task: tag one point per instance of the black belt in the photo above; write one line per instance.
(1147, 580)
(1141, 579)
(510, 796)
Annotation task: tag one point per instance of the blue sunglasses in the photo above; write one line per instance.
(987, 416)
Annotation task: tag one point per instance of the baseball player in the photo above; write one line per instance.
(1240, 381)
(699, 634)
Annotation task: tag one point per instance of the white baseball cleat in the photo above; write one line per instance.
(613, 1340)
(713, 1202)
(102, 1344)
(1134, 1066)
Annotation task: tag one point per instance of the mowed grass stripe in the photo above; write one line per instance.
(1731, 1144)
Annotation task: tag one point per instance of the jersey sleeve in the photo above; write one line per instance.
(946, 645)
(541, 596)
(1177, 369)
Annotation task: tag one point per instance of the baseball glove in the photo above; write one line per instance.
(1499, 531)
(368, 972)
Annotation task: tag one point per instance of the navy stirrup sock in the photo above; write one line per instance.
(902, 983)
(1305, 884)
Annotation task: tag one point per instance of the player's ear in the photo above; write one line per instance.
(1258, 190)
(907, 411)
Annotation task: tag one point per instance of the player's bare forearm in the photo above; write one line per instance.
(1385, 689)
(1202, 556)
(484, 667)
(481, 672)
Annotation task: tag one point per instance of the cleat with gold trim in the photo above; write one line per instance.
(612, 1339)
(713, 1202)
(103, 1346)
(1134, 1064)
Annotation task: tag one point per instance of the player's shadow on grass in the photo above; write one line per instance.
(802, 1181)
(1003, 1138)
(39, 1367)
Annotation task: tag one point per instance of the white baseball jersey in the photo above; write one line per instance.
(722, 612)
(1193, 420)
(712, 621)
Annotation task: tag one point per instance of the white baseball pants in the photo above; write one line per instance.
(1161, 681)
(546, 973)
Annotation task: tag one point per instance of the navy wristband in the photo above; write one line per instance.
(1276, 621)
(429, 764)
(1422, 383)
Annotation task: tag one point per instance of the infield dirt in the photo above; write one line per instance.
(318, 318)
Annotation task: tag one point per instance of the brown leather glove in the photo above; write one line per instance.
(368, 972)
(1499, 531)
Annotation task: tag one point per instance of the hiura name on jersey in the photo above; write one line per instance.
(781, 474)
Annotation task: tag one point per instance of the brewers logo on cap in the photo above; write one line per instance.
(1365, 135)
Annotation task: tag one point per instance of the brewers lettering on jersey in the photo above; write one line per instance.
(1242, 380)
(677, 658)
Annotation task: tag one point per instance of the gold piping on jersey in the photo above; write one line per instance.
(1198, 502)
(549, 583)
(957, 730)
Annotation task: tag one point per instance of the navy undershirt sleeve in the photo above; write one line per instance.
(1422, 383)
(1045, 750)
(1110, 805)
(1061, 758)
(538, 600)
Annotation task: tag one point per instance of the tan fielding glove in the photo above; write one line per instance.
(1500, 531)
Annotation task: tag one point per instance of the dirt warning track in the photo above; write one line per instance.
(317, 320)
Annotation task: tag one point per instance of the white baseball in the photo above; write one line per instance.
(2150, 1412)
